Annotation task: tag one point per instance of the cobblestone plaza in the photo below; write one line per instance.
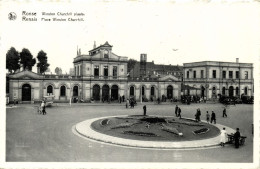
(36, 138)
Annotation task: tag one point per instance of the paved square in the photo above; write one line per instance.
(36, 138)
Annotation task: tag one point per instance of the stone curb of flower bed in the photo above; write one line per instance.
(84, 129)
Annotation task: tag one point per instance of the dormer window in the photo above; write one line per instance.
(105, 54)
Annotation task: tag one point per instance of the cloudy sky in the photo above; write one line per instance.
(199, 30)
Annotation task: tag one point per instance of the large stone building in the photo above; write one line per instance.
(212, 79)
(100, 75)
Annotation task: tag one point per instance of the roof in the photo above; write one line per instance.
(186, 87)
(106, 44)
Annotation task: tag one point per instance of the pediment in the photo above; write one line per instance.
(169, 78)
(26, 75)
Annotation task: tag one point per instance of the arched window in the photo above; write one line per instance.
(132, 91)
(143, 90)
(49, 90)
(152, 91)
(62, 91)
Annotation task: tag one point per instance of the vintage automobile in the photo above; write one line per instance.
(248, 99)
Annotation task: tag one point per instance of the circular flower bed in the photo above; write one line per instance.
(155, 128)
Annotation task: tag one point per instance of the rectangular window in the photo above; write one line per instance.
(194, 74)
(246, 74)
(105, 71)
(214, 74)
(188, 74)
(96, 71)
(201, 73)
(224, 74)
(237, 74)
(114, 71)
(230, 73)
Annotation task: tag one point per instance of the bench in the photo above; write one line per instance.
(231, 139)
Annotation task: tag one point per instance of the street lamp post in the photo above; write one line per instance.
(141, 92)
(70, 89)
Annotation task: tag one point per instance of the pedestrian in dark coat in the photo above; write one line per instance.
(198, 114)
(123, 98)
(213, 117)
(144, 107)
(236, 138)
(224, 112)
(179, 112)
(120, 99)
(176, 110)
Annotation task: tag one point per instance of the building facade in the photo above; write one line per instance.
(150, 69)
(99, 76)
(212, 79)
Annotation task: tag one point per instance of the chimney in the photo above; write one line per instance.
(237, 60)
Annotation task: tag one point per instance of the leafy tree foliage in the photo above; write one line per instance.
(12, 60)
(42, 61)
(131, 64)
(27, 59)
(58, 71)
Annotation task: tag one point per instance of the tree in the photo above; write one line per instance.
(42, 61)
(58, 71)
(27, 59)
(131, 64)
(12, 60)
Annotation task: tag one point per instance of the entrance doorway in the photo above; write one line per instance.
(96, 92)
(202, 91)
(75, 91)
(105, 92)
(169, 92)
(114, 92)
(231, 91)
(26, 92)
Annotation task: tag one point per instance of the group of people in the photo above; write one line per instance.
(131, 103)
(223, 136)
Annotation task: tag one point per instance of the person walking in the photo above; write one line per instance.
(224, 112)
(123, 98)
(43, 108)
(223, 134)
(120, 99)
(198, 114)
(213, 117)
(179, 112)
(236, 138)
(176, 110)
(207, 117)
(144, 107)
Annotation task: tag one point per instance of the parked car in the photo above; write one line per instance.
(248, 99)
(49, 100)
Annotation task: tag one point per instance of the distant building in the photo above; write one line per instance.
(72, 71)
(212, 79)
(152, 70)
